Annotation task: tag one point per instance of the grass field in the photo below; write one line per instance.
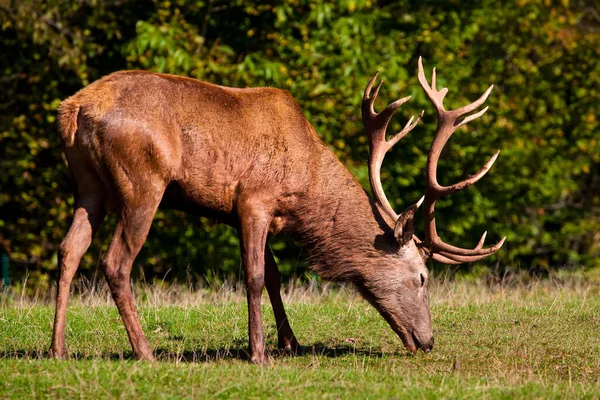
(539, 339)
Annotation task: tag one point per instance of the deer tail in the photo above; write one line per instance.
(68, 111)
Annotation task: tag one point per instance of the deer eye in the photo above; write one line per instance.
(422, 279)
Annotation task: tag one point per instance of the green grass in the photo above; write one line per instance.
(535, 340)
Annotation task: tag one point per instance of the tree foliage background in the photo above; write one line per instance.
(542, 56)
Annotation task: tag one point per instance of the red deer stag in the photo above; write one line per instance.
(136, 141)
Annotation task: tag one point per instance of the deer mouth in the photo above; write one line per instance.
(409, 339)
(419, 344)
(426, 345)
(412, 342)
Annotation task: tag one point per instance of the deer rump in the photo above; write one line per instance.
(136, 141)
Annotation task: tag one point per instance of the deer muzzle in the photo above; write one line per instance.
(425, 344)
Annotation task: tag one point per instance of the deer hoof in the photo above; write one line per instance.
(262, 360)
(290, 347)
(56, 354)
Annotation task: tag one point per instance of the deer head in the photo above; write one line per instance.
(398, 287)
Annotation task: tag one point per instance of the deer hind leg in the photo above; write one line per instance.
(285, 336)
(130, 233)
(89, 213)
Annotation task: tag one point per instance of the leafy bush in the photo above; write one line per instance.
(542, 57)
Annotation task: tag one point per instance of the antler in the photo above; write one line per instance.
(375, 126)
(448, 122)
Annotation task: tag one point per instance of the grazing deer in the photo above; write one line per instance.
(136, 141)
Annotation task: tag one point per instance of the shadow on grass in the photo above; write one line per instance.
(215, 354)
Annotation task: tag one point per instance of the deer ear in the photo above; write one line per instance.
(405, 224)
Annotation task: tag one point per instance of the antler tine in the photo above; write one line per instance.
(453, 258)
(449, 258)
(447, 124)
(481, 241)
(436, 96)
(444, 260)
(471, 179)
(444, 248)
(375, 127)
(369, 100)
(407, 128)
(473, 106)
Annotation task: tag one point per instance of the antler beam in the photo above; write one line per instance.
(375, 127)
(448, 122)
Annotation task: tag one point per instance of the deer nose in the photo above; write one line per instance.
(427, 345)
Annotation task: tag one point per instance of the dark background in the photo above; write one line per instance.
(542, 56)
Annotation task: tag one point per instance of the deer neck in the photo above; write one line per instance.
(341, 226)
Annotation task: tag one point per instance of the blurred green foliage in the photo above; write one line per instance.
(542, 56)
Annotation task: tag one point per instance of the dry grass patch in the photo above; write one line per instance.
(514, 338)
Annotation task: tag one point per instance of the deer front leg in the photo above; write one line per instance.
(254, 227)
